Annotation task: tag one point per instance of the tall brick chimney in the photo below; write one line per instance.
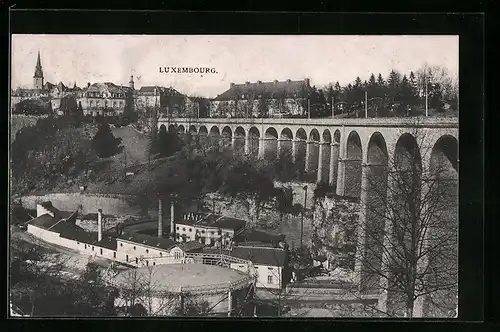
(172, 219)
(160, 218)
(99, 225)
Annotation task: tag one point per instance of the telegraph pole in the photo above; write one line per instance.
(366, 105)
(308, 108)
(333, 107)
(426, 97)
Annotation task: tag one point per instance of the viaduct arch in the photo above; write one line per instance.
(361, 158)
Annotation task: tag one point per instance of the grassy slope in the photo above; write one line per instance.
(136, 151)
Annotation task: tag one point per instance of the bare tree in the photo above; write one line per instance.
(408, 241)
(139, 288)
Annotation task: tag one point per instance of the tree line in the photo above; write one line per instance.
(397, 95)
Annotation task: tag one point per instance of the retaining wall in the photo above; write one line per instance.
(87, 203)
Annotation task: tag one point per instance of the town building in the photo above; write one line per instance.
(105, 99)
(210, 229)
(269, 264)
(168, 100)
(262, 99)
(59, 228)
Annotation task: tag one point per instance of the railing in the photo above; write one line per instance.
(425, 121)
(205, 289)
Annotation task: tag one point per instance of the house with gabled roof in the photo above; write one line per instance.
(262, 99)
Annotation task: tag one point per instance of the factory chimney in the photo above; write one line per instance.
(99, 225)
(160, 219)
(172, 220)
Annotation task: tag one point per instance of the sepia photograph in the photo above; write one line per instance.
(234, 176)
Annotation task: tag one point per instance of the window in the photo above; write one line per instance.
(227, 233)
(77, 242)
(121, 244)
(269, 279)
(136, 260)
(161, 254)
(114, 254)
(219, 233)
(147, 263)
(147, 251)
(92, 248)
(126, 258)
(184, 229)
(241, 266)
(190, 230)
(203, 231)
(212, 232)
(178, 228)
(85, 246)
(154, 263)
(135, 248)
(100, 251)
(177, 255)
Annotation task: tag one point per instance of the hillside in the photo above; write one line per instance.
(21, 121)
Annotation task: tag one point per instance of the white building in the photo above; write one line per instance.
(269, 263)
(209, 229)
(59, 228)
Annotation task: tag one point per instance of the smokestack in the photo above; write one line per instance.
(172, 219)
(160, 218)
(99, 225)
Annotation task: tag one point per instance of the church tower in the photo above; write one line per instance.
(131, 82)
(38, 77)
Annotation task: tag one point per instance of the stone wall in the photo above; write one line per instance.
(267, 218)
(334, 227)
(86, 203)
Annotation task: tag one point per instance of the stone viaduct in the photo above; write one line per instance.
(335, 151)
(355, 156)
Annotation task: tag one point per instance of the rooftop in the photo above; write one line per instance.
(108, 242)
(276, 89)
(151, 241)
(169, 277)
(261, 255)
(212, 220)
(46, 221)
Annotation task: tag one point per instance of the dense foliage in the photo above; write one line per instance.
(105, 143)
(39, 288)
(32, 107)
(51, 152)
(200, 167)
(397, 95)
(164, 143)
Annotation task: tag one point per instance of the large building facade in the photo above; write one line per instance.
(105, 99)
(262, 99)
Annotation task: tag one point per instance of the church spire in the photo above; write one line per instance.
(38, 77)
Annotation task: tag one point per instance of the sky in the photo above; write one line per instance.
(323, 59)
